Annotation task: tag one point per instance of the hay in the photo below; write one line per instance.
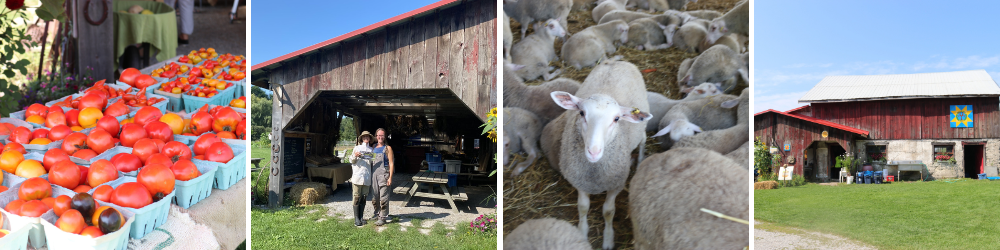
(541, 192)
(307, 193)
(765, 185)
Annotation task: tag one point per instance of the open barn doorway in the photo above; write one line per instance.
(820, 160)
(973, 160)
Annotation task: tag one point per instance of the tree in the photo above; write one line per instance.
(347, 130)
(260, 120)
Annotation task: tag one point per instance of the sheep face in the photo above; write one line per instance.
(669, 31)
(679, 129)
(704, 90)
(622, 30)
(598, 120)
(553, 28)
(716, 30)
(506, 149)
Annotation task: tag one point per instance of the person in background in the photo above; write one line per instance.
(382, 177)
(186, 10)
(361, 177)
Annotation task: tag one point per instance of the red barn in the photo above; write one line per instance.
(949, 121)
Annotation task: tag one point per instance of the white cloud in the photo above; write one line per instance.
(780, 101)
(969, 62)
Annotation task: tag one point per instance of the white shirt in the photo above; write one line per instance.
(361, 168)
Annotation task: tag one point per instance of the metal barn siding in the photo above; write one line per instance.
(913, 118)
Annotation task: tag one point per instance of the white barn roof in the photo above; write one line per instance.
(973, 83)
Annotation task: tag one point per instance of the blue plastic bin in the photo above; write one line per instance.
(452, 180)
(436, 166)
(433, 157)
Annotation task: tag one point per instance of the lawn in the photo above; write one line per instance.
(302, 228)
(963, 214)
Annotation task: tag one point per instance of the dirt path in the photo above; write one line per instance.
(770, 236)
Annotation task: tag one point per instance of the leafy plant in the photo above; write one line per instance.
(847, 161)
(490, 129)
(13, 45)
(485, 223)
(761, 157)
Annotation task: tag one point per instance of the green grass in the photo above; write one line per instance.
(919, 215)
(297, 228)
(258, 152)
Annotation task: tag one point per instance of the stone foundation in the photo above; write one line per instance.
(922, 150)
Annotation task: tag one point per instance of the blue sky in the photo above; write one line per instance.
(282, 27)
(797, 43)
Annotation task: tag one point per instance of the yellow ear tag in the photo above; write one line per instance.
(635, 111)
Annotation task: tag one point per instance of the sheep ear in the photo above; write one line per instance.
(565, 100)
(687, 90)
(744, 74)
(515, 67)
(730, 104)
(664, 130)
(696, 128)
(634, 115)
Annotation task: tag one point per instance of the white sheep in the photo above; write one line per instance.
(717, 64)
(704, 14)
(528, 11)
(535, 98)
(520, 134)
(724, 140)
(587, 47)
(653, 33)
(741, 155)
(661, 5)
(545, 234)
(659, 104)
(686, 118)
(607, 6)
(624, 15)
(508, 38)
(537, 50)
(603, 125)
(736, 20)
(669, 190)
(690, 36)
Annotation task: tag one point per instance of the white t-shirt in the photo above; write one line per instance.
(361, 168)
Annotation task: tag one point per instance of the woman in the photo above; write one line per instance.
(381, 177)
(361, 179)
(186, 10)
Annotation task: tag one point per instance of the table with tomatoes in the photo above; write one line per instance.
(98, 161)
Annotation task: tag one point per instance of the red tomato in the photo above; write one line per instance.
(145, 148)
(53, 156)
(102, 171)
(109, 124)
(36, 109)
(20, 135)
(241, 130)
(92, 231)
(84, 172)
(71, 221)
(204, 141)
(65, 175)
(103, 193)
(126, 162)
(61, 205)
(74, 142)
(100, 140)
(14, 207)
(177, 151)
(13, 146)
(159, 158)
(159, 130)
(219, 152)
(158, 180)
(85, 154)
(59, 132)
(34, 188)
(117, 109)
(143, 81)
(185, 170)
(201, 122)
(92, 100)
(132, 133)
(131, 194)
(34, 208)
(226, 119)
(40, 133)
(73, 117)
(55, 119)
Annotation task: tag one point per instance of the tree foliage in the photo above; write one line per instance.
(260, 118)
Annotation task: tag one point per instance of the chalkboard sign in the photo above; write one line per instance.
(295, 162)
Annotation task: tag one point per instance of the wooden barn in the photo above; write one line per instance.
(428, 76)
(949, 121)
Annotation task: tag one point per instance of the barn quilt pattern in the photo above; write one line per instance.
(961, 116)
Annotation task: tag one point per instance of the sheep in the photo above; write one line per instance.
(528, 11)
(736, 20)
(717, 64)
(691, 35)
(668, 191)
(659, 104)
(741, 155)
(602, 126)
(547, 233)
(624, 15)
(686, 118)
(725, 140)
(590, 45)
(535, 98)
(520, 133)
(661, 5)
(508, 38)
(607, 6)
(653, 33)
(704, 14)
(536, 51)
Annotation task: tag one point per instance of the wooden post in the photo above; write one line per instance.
(276, 181)
(95, 47)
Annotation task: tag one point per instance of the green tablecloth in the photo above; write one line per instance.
(159, 29)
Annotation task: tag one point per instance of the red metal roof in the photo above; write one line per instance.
(818, 121)
(353, 33)
(797, 109)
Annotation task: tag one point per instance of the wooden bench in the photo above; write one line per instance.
(430, 180)
(458, 194)
(403, 188)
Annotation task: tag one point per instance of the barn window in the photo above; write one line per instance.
(875, 153)
(944, 153)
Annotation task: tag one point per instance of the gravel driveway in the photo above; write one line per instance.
(429, 210)
(801, 239)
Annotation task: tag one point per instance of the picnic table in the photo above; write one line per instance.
(431, 180)
(256, 163)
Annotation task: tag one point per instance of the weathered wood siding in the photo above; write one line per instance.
(913, 118)
(776, 130)
(453, 48)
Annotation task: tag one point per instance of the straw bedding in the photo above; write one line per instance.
(307, 193)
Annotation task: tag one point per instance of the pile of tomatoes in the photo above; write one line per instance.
(177, 86)
(80, 214)
(239, 102)
(170, 70)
